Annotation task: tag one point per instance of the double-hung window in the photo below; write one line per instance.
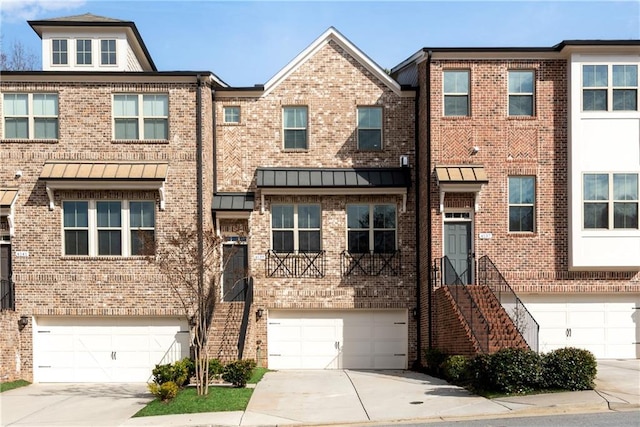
(295, 128)
(609, 87)
(371, 228)
(83, 52)
(141, 117)
(108, 228)
(30, 115)
(521, 93)
(370, 128)
(456, 92)
(108, 52)
(60, 54)
(295, 228)
(610, 200)
(522, 197)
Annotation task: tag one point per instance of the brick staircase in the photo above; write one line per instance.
(225, 331)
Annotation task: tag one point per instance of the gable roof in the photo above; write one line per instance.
(90, 20)
(332, 35)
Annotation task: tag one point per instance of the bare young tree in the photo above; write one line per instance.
(18, 58)
(182, 259)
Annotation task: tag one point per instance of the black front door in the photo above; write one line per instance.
(6, 290)
(234, 279)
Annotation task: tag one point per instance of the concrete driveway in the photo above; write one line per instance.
(72, 404)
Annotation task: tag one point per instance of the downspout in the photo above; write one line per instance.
(199, 184)
(428, 207)
(214, 151)
(418, 363)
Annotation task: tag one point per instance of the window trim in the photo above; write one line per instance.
(533, 205)
(84, 52)
(306, 128)
(93, 229)
(371, 229)
(59, 52)
(610, 88)
(140, 117)
(109, 52)
(610, 201)
(380, 129)
(224, 114)
(31, 117)
(466, 94)
(531, 95)
(296, 228)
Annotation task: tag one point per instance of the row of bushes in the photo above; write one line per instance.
(517, 371)
(168, 379)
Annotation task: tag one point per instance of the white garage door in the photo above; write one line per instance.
(75, 349)
(607, 325)
(357, 339)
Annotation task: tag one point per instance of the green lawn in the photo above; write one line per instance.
(13, 384)
(219, 399)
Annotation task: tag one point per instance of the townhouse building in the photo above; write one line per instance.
(530, 159)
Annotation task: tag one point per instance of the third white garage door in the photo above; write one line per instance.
(323, 339)
(608, 325)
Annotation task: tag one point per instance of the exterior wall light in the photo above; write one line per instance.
(259, 313)
(23, 321)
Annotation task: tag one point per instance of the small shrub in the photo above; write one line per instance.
(435, 358)
(165, 391)
(569, 368)
(515, 371)
(177, 373)
(456, 369)
(215, 368)
(238, 372)
(162, 374)
(480, 372)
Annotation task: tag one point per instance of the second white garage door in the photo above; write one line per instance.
(322, 339)
(105, 349)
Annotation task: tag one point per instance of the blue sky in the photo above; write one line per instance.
(246, 43)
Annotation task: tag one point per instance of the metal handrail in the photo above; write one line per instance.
(246, 314)
(469, 311)
(370, 263)
(7, 295)
(295, 264)
(490, 276)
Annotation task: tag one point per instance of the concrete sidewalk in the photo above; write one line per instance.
(360, 397)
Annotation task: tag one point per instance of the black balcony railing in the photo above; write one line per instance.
(370, 264)
(490, 276)
(7, 294)
(295, 264)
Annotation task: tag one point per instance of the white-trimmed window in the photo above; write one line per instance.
(108, 227)
(30, 115)
(371, 228)
(610, 87)
(521, 92)
(108, 52)
(456, 92)
(295, 228)
(522, 199)
(83, 52)
(294, 120)
(610, 200)
(59, 52)
(231, 114)
(370, 128)
(140, 117)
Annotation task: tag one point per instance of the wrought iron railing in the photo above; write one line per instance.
(246, 315)
(295, 264)
(490, 276)
(7, 295)
(370, 263)
(478, 325)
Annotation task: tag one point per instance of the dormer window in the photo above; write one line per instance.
(83, 52)
(60, 52)
(108, 52)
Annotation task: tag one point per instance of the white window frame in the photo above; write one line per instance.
(379, 129)
(59, 52)
(92, 228)
(530, 95)
(609, 88)
(84, 52)
(372, 229)
(285, 128)
(532, 205)
(234, 112)
(140, 116)
(467, 94)
(31, 116)
(108, 52)
(296, 229)
(610, 201)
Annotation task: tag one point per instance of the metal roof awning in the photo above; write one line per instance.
(8, 197)
(61, 175)
(460, 179)
(233, 202)
(333, 181)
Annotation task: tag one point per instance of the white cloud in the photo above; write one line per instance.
(22, 10)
